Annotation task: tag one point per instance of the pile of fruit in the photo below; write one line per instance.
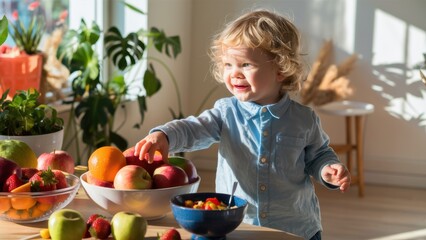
(70, 224)
(110, 167)
(21, 171)
(208, 204)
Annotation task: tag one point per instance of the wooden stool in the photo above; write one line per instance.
(353, 112)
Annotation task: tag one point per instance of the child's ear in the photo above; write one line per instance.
(280, 76)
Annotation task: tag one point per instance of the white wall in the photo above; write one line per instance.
(389, 36)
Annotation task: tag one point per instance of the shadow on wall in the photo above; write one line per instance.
(396, 41)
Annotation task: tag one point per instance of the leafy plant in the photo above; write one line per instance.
(28, 38)
(23, 115)
(94, 102)
(3, 29)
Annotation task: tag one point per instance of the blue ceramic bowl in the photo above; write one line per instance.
(208, 224)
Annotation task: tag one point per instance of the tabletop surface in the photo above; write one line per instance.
(83, 204)
(347, 108)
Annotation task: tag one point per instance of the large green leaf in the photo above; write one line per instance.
(3, 29)
(85, 37)
(68, 46)
(150, 81)
(142, 109)
(124, 52)
(170, 45)
(90, 34)
(86, 62)
(132, 7)
(118, 141)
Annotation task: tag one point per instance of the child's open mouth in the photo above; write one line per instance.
(241, 87)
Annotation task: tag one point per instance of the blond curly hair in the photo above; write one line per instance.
(270, 32)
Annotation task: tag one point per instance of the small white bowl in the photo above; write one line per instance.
(150, 203)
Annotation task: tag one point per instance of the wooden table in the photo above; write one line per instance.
(84, 205)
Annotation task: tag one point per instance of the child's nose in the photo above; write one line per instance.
(236, 72)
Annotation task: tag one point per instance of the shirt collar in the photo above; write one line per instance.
(251, 109)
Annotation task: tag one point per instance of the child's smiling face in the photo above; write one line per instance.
(251, 75)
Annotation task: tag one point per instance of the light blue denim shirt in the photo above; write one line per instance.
(270, 150)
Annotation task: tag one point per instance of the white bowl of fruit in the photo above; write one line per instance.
(118, 181)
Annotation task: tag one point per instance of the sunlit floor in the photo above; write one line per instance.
(385, 213)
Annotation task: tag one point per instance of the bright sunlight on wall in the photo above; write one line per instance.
(393, 66)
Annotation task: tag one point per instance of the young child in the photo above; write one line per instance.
(269, 143)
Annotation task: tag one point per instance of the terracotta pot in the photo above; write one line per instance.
(20, 72)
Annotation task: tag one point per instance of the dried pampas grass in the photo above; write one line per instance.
(327, 82)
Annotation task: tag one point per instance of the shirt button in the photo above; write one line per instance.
(263, 215)
(264, 109)
(262, 187)
(265, 133)
(263, 160)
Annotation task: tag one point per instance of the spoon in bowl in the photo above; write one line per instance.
(234, 187)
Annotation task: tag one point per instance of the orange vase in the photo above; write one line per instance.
(20, 73)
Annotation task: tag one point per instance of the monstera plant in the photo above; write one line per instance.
(95, 100)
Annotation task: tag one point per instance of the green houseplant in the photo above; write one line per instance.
(23, 115)
(94, 102)
(17, 71)
(24, 118)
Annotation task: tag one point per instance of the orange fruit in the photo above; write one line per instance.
(105, 162)
(4, 204)
(14, 214)
(26, 187)
(23, 201)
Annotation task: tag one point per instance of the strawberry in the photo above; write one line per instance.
(43, 180)
(27, 173)
(171, 234)
(100, 229)
(89, 223)
(12, 182)
(60, 177)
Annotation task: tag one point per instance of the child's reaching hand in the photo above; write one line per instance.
(337, 174)
(156, 141)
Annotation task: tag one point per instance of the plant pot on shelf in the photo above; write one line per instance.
(20, 72)
(40, 143)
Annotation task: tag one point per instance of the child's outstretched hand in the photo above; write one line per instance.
(156, 141)
(337, 174)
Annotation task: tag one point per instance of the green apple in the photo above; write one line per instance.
(66, 224)
(128, 226)
(19, 152)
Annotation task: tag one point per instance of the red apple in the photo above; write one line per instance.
(57, 159)
(132, 177)
(187, 165)
(7, 168)
(131, 159)
(169, 175)
(92, 180)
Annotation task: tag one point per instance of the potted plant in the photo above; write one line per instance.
(24, 118)
(21, 66)
(94, 102)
